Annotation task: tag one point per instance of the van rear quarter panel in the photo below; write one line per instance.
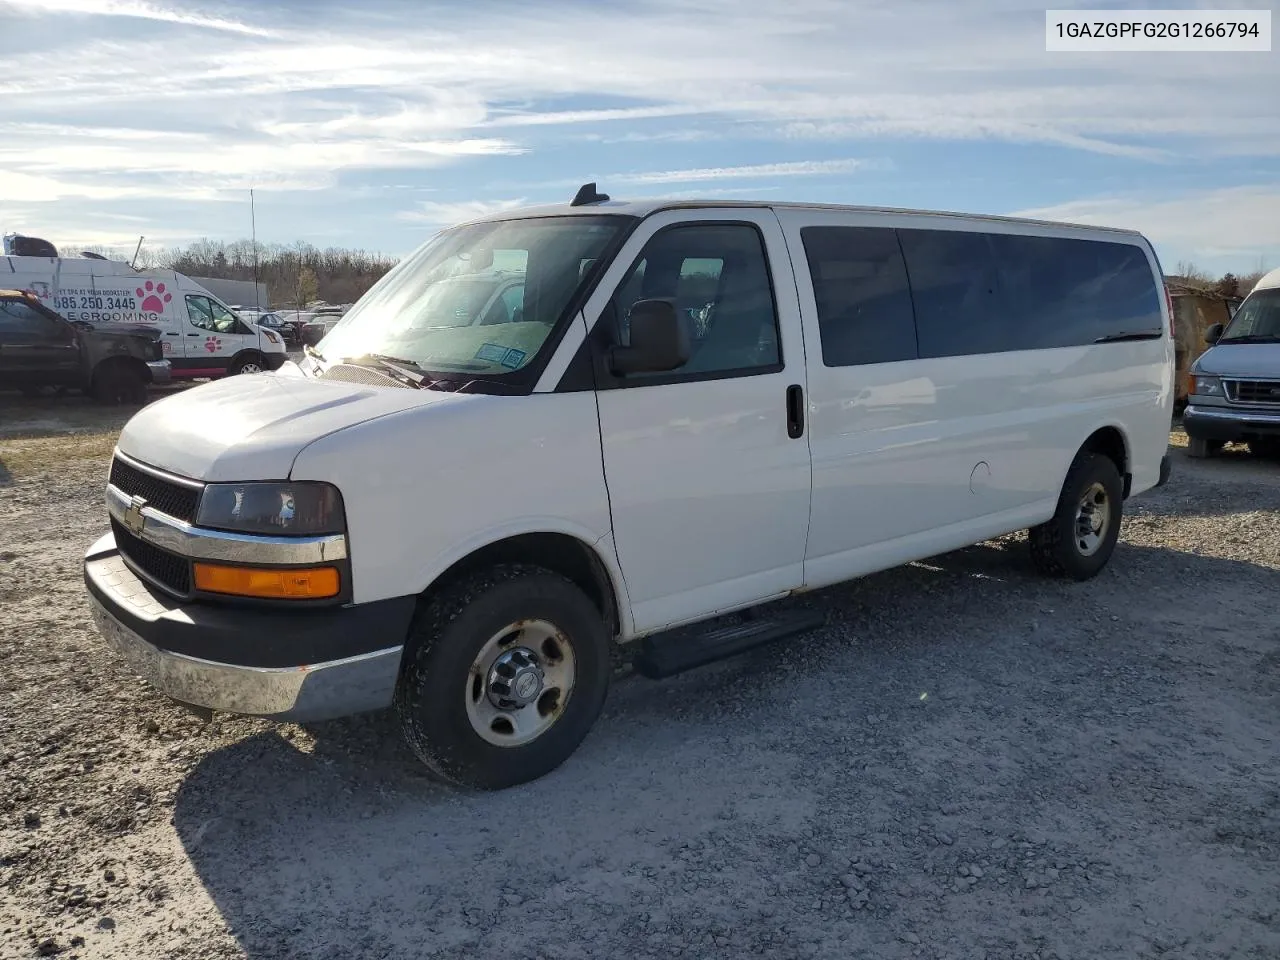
(428, 486)
(975, 442)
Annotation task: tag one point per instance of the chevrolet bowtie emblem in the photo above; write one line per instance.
(134, 521)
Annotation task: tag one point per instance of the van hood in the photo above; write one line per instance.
(252, 427)
(1259, 361)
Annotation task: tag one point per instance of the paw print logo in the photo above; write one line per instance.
(212, 344)
(153, 297)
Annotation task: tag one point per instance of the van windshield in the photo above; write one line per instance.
(1257, 320)
(476, 300)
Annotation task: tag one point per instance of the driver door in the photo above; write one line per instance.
(213, 335)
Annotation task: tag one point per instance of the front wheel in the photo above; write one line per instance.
(115, 383)
(1080, 538)
(504, 674)
(250, 363)
(1268, 448)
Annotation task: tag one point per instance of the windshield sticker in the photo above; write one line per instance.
(513, 358)
(493, 352)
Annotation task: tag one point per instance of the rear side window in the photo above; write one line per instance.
(1065, 292)
(956, 288)
(863, 298)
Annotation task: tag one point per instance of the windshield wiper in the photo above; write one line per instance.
(405, 370)
(1135, 335)
(1252, 338)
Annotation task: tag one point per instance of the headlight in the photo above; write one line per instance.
(1203, 386)
(271, 337)
(280, 509)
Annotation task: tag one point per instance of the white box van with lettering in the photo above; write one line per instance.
(459, 505)
(201, 336)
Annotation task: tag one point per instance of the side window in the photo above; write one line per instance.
(224, 321)
(1066, 292)
(507, 307)
(864, 301)
(959, 306)
(200, 313)
(19, 319)
(718, 275)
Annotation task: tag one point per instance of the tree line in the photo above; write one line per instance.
(295, 275)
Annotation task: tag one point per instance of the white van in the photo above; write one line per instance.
(1235, 393)
(202, 337)
(696, 408)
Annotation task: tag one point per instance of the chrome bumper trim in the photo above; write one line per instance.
(1233, 415)
(317, 691)
(161, 371)
(198, 543)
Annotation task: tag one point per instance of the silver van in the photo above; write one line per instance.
(1235, 384)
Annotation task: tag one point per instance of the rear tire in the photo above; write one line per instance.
(117, 383)
(1200, 448)
(1080, 538)
(449, 696)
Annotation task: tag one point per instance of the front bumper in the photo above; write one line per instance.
(303, 665)
(161, 371)
(1230, 424)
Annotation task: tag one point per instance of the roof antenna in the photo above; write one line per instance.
(587, 194)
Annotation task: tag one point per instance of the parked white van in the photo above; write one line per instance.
(201, 336)
(1235, 393)
(696, 408)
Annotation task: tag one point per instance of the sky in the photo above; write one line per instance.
(372, 125)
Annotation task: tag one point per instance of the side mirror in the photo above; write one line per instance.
(661, 339)
(1213, 334)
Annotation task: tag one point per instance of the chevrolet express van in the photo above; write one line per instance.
(1235, 384)
(694, 409)
(200, 335)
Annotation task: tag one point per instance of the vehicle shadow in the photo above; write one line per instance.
(341, 846)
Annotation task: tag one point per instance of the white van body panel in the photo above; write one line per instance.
(939, 452)
(251, 428)
(1269, 280)
(428, 485)
(104, 292)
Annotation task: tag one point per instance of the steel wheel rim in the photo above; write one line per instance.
(554, 663)
(1093, 520)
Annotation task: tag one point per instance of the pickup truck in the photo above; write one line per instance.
(39, 349)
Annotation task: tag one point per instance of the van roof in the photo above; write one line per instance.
(1269, 281)
(644, 208)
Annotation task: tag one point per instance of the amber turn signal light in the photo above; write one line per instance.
(312, 583)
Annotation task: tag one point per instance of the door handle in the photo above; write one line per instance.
(193, 334)
(795, 411)
(170, 334)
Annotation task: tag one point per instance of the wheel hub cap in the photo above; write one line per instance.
(515, 679)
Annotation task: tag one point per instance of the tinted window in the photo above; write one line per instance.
(1063, 292)
(959, 309)
(17, 317)
(864, 303)
(719, 276)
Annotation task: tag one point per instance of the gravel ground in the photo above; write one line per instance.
(967, 761)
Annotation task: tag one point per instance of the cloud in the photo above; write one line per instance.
(758, 171)
(134, 9)
(1237, 224)
(447, 214)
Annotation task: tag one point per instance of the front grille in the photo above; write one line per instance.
(1262, 392)
(167, 569)
(164, 495)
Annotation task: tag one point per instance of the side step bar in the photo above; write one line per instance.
(675, 651)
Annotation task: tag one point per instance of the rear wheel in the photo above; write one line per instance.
(504, 674)
(118, 383)
(248, 363)
(1200, 448)
(1080, 538)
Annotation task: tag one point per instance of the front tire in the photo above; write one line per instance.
(116, 383)
(1080, 538)
(505, 672)
(1267, 448)
(249, 363)
(1200, 449)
